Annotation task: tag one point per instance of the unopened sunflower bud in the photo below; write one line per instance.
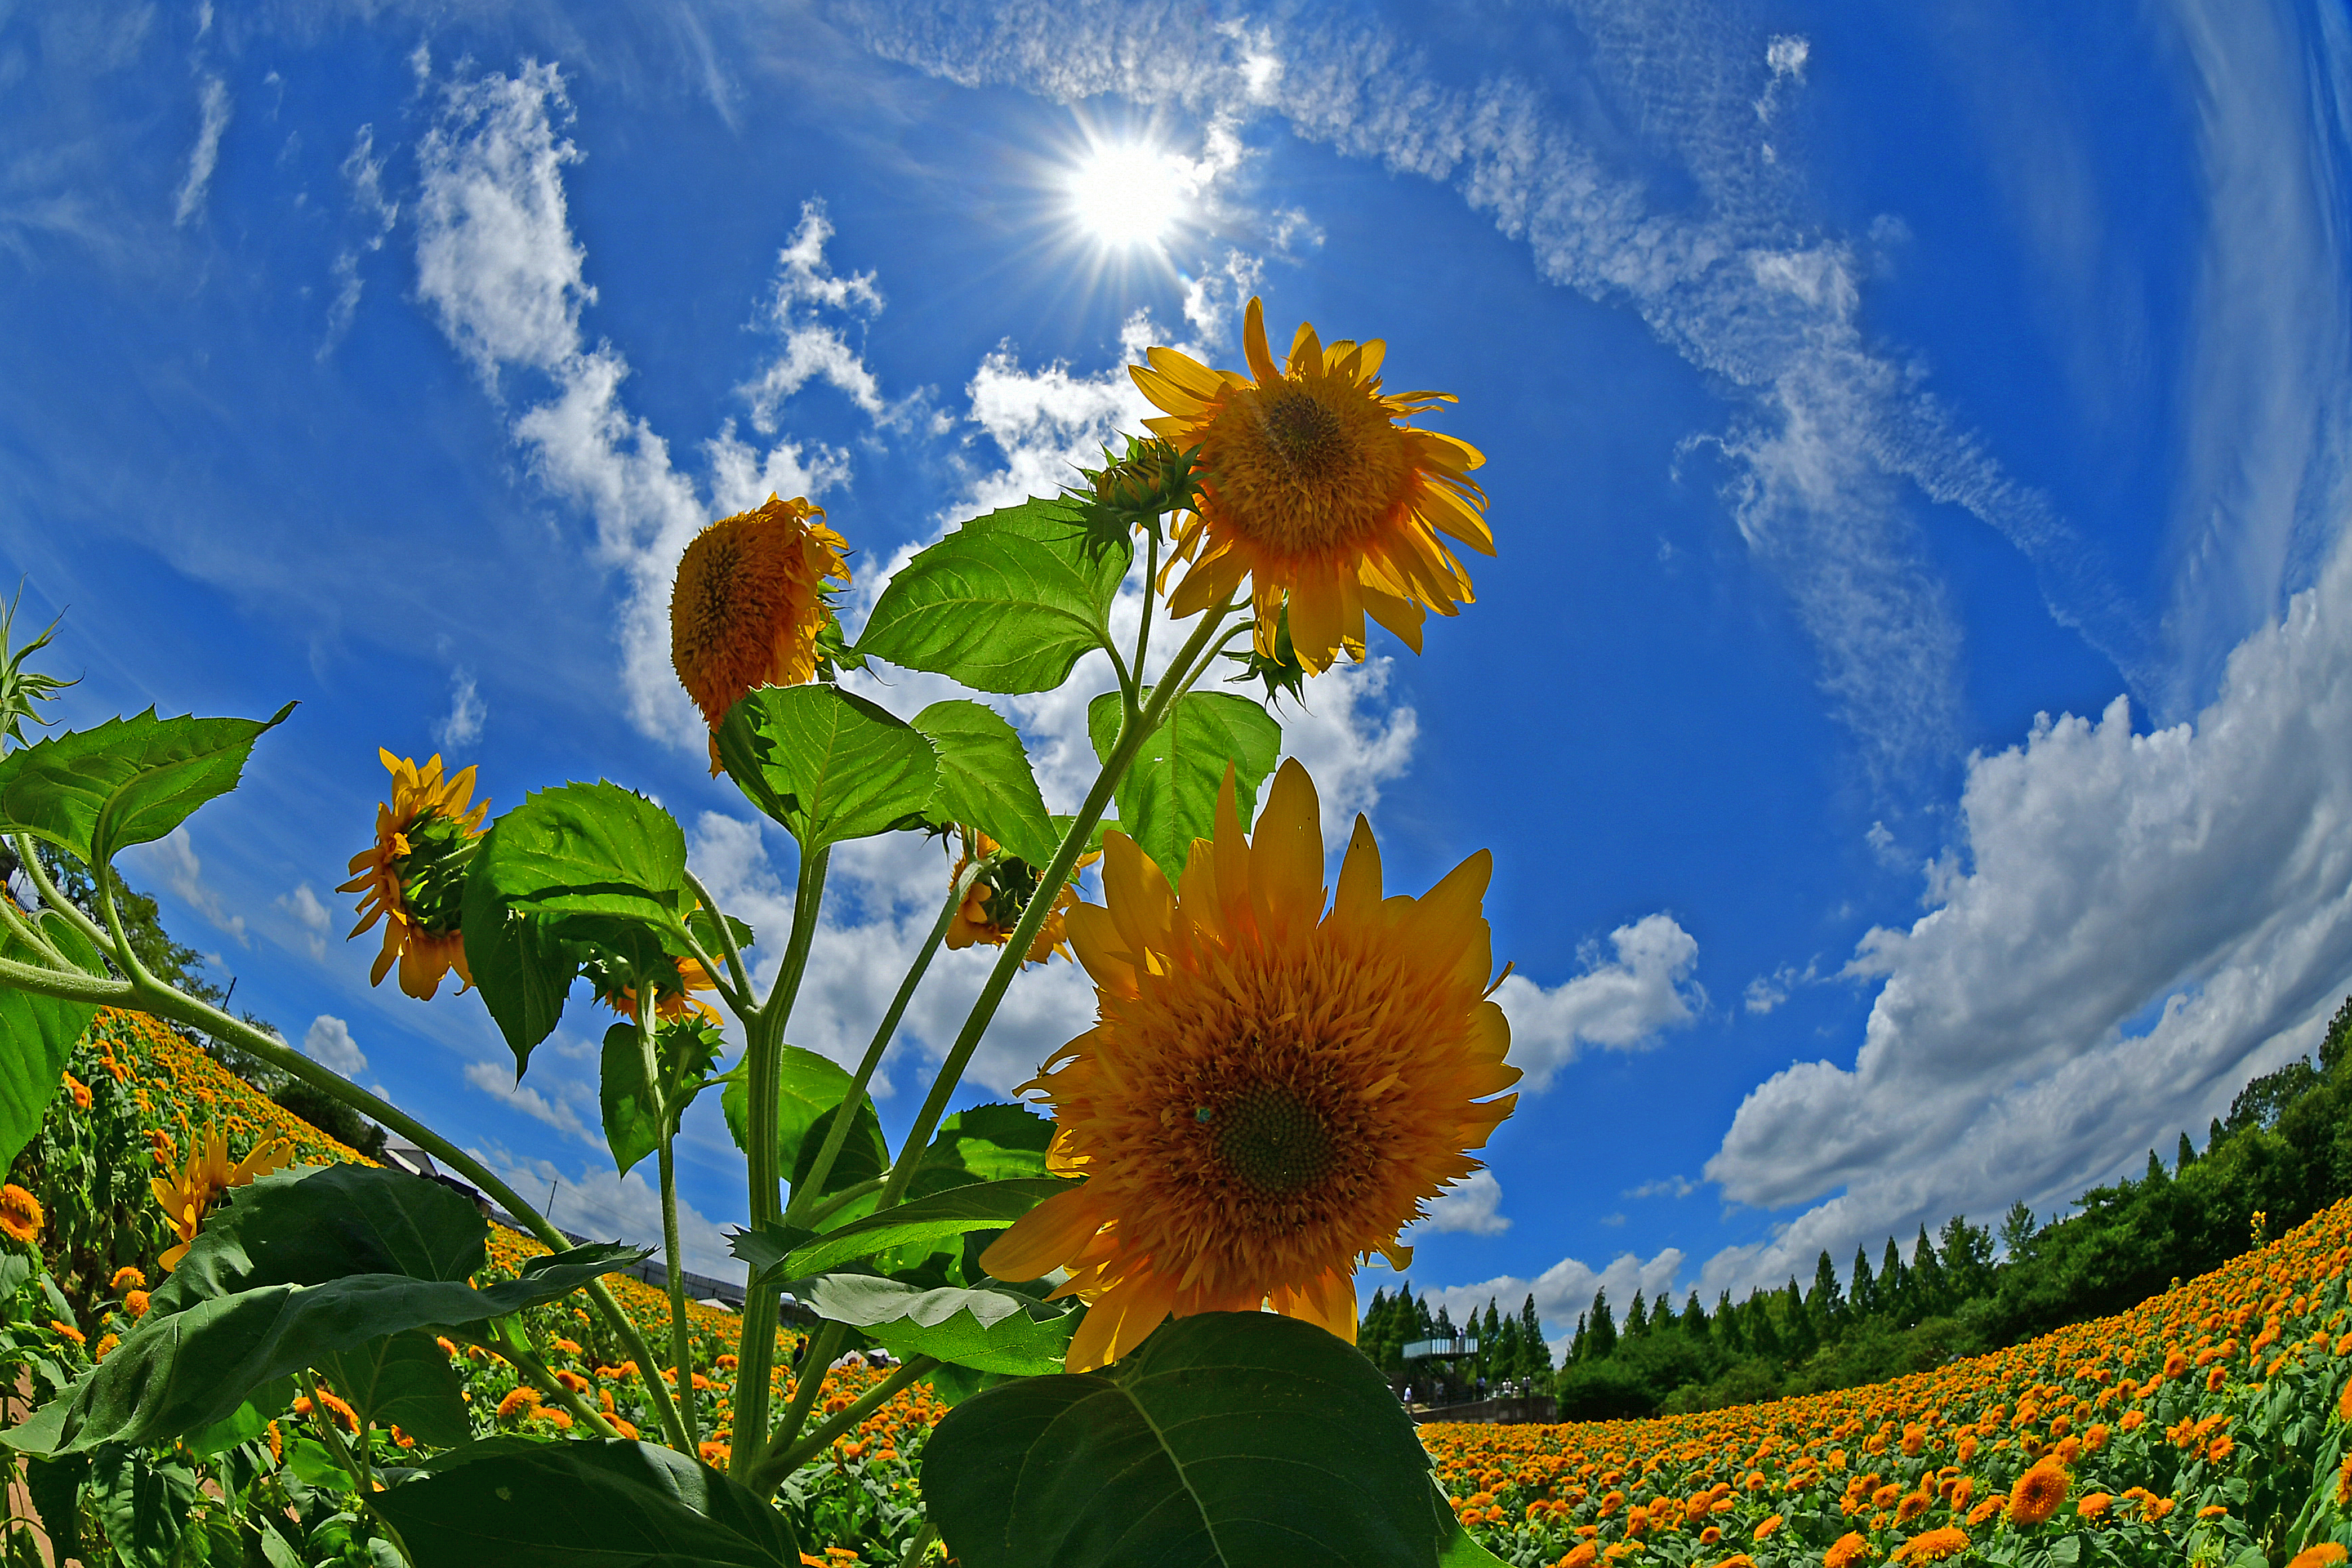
(1153, 480)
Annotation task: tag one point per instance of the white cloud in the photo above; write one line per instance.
(1621, 1004)
(462, 725)
(806, 290)
(497, 1080)
(1826, 431)
(364, 171)
(189, 200)
(310, 915)
(2132, 925)
(1470, 1206)
(327, 1041)
(1664, 1187)
(1566, 1289)
(173, 857)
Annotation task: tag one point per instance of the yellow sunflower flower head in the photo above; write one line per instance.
(1000, 895)
(670, 1002)
(20, 1214)
(750, 606)
(1272, 1091)
(414, 876)
(1312, 486)
(186, 1194)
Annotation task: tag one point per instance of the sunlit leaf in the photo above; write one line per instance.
(987, 1330)
(982, 1206)
(38, 1033)
(827, 765)
(1169, 798)
(129, 781)
(984, 779)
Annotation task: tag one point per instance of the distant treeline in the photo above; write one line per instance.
(2284, 1151)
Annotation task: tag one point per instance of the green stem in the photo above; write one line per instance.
(755, 1353)
(816, 1358)
(1133, 731)
(1150, 594)
(674, 1278)
(841, 1200)
(922, 1547)
(30, 934)
(726, 941)
(357, 1468)
(71, 985)
(53, 897)
(804, 1196)
(167, 1003)
(783, 1459)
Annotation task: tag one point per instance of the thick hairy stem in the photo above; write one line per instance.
(783, 1460)
(165, 1003)
(1133, 731)
(56, 900)
(71, 985)
(755, 1353)
(803, 1210)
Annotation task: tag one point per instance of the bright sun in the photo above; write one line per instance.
(1127, 193)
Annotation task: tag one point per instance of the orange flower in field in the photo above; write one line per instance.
(20, 1214)
(1933, 1546)
(1765, 1529)
(127, 1278)
(2133, 1420)
(2343, 1402)
(749, 604)
(135, 1303)
(2037, 1493)
(2326, 1554)
(1273, 1091)
(1848, 1550)
(79, 1090)
(2220, 1448)
(522, 1400)
(1313, 489)
(1913, 1505)
(2093, 1505)
(2344, 1483)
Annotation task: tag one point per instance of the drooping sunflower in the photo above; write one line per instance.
(1313, 487)
(1271, 1092)
(414, 876)
(751, 602)
(186, 1194)
(999, 896)
(669, 1005)
(21, 1218)
(2037, 1493)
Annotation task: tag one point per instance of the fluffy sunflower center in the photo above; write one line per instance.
(1271, 1139)
(1308, 466)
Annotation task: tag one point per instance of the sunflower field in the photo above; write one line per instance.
(1117, 1318)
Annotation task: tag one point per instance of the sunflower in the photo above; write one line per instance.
(750, 605)
(1311, 484)
(20, 1214)
(1271, 1091)
(2037, 1493)
(190, 1192)
(1847, 1550)
(1000, 895)
(669, 1005)
(414, 876)
(1933, 1546)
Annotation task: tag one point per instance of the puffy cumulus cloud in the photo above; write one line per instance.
(1831, 440)
(1473, 1204)
(555, 1107)
(499, 267)
(1621, 1004)
(1566, 1289)
(2199, 875)
(310, 915)
(327, 1041)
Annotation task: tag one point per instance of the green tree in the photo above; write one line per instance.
(2185, 1157)
(1600, 1342)
(1866, 1286)
(1637, 1319)
(1694, 1323)
(1825, 1303)
(1537, 1353)
(1927, 1276)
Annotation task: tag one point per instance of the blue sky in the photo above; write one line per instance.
(1906, 706)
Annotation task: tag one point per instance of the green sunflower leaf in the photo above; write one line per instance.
(592, 1504)
(1007, 602)
(404, 1380)
(1227, 1441)
(588, 849)
(984, 779)
(38, 1033)
(983, 1143)
(810, 1088)
(177, 1374)
(987, 1330)
(827, 765)
(129, 781)
(978, 1205)
(1169, 798)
